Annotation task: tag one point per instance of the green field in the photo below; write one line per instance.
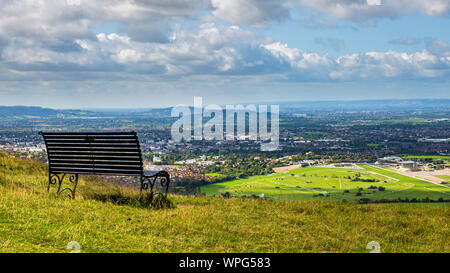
(334, 184)
(102, 219)
(215, 175)
(412, 121)
(445, 177)
(443, 157)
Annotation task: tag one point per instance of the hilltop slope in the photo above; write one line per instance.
(33, 221)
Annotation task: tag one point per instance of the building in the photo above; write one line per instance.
(409, 164)
(156, 159)
(390, 159)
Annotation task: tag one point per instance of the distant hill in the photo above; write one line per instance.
(370, 105)
(357, 105)
(11, 111)
(21, 111)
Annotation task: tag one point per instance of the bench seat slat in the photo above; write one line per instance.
(94, 141)
(97, 171)
(134, 154)
(95, 167)
(89, 157)
(88, 133)
(104, 156)
(91, 173)
(51, 138)
(115, 159)
(96, 162)
(105, 149)
(83, 144)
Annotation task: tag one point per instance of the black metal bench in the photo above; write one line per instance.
(100, 153)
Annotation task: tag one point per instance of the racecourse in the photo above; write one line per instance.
(332, 184)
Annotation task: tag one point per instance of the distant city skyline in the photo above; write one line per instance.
(152, 53)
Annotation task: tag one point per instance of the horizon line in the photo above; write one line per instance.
(244, 103)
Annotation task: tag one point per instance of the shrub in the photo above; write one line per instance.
(156, 201)
(115, 198)
(226, 195)
(161, 201)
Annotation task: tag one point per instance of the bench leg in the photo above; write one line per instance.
(74, 180)
(147, 182)
(75, 183)
(141, 188)
(165, 181)
(55, 178)
(49, 182)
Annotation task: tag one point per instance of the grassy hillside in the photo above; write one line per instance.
(332, 184)
(33, 221)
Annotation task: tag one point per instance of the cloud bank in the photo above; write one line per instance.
(168, 40)
(211, 49)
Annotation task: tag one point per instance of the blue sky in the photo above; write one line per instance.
(152, 53)
(363, 38)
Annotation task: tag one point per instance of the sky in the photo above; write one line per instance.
(158, 53)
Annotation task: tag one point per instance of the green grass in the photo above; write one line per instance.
(31, 220)
(214, 174)
(409, 121)
(331, 184)
(412, 121)
(445, 177)
(443, 157)
(373, 145)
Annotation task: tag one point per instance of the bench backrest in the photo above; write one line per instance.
(107, 153)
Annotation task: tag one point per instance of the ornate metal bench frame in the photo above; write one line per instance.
(69, 144)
